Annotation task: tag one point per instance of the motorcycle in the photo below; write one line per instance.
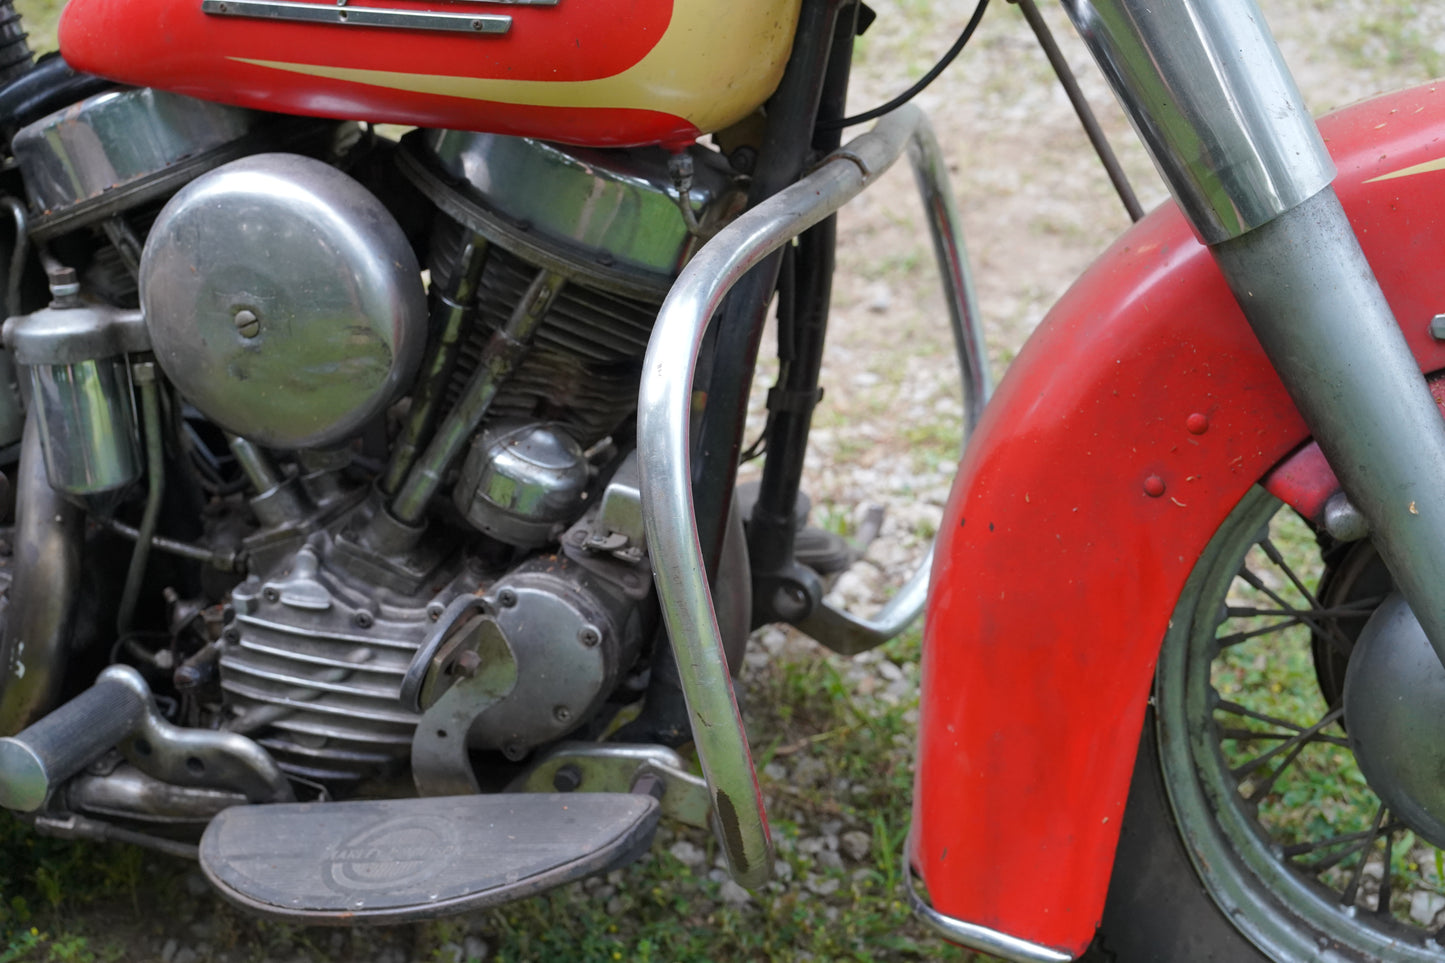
(375, 509)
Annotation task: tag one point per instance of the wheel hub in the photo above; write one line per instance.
(1394, 701)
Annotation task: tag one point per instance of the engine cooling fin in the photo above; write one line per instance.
(401, 860)
(586, 358)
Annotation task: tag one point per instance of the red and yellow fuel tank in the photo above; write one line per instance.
(590, 72)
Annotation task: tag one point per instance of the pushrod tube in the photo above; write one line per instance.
(663, 428)
(1204, 84)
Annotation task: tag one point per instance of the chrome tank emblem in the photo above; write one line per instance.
(396, 18)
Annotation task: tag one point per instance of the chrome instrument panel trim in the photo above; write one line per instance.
(347, 16)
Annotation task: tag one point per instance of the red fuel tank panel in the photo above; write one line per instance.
(592, 72)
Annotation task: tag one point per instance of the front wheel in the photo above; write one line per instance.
(1250, 832)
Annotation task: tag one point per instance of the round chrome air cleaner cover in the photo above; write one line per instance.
(283, 300)
(117, 148)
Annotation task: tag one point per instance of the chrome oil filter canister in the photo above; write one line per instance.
(74, 355)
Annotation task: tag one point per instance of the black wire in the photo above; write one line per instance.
(923, 81)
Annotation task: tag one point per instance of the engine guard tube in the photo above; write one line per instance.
(1136, 417)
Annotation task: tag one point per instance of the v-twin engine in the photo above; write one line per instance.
(350, 422)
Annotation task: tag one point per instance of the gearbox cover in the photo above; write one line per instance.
(283, 300)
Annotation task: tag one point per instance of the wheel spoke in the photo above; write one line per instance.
(1357, 607)
(1325, 628)
(1247, 735)
(1234, 708)
(1382, 900)
(1235, 638)
(1294, 745)
(1352, 891)
(1295, 850)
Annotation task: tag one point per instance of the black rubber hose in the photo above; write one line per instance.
(51, 85)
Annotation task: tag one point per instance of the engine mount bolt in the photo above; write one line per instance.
(467, 664)
(363, 620)
(589, 636)
(271, 595)
(506, 598)
(567, 778)
(790, 601)
(247, 324)
(561, 713)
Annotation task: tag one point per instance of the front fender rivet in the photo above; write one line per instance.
(1197, 423)
(1154, 486)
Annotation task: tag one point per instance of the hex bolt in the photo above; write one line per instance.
(589, 636)
(188, 677)
(649, 784)
(247, 324)
(507, 598)
(790, 601)
(567, 778)
(561, 713)
(467, 664)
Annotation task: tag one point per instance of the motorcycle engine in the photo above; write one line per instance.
(418, 474)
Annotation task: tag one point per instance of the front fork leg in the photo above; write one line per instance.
(1206, 88)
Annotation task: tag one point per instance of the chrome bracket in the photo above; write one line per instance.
(664, 411)
(607, 767)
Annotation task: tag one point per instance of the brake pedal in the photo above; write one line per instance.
(399, 860)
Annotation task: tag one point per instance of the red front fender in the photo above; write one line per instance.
(1133, 421)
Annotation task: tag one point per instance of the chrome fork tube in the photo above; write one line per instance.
(1205, 86)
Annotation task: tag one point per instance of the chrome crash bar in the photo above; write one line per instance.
(664, 408)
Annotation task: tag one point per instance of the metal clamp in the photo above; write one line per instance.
(664, 410)
(616, 767)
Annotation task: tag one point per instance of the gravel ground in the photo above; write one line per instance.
(1036, 209)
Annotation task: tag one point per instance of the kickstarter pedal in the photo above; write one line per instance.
(397, 860)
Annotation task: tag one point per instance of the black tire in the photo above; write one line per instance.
(1214, 862)
(1157, 908)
